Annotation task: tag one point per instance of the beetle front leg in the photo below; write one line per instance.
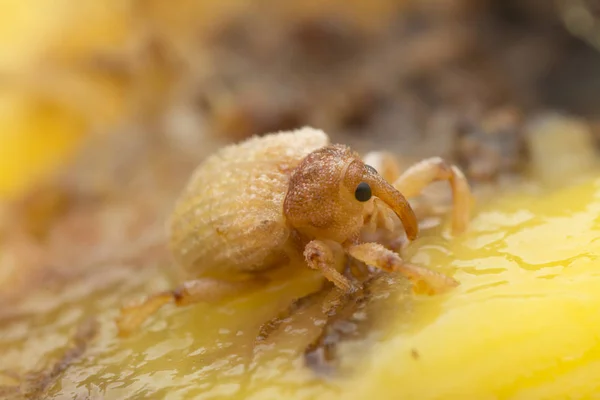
(424, 280)
(193, 291)
(328, 258)
(321, 256)
(417, 177)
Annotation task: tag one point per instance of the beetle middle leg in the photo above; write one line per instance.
(194, 291)
(424, 280)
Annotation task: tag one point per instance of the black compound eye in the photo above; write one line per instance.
(363, 192)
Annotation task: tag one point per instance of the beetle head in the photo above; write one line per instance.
(329, 191)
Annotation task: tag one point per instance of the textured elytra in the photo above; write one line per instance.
(229, 217)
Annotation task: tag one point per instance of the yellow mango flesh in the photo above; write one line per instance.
(523, 324)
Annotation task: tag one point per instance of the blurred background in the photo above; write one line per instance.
(457, 78)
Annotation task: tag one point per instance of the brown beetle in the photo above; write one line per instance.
(259, 205)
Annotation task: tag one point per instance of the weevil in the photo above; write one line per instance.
(259, 205)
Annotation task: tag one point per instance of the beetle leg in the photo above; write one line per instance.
(424, 280)
(132, 316)
(417, 177)
(329, 258)
(193, 291)
(321, 256)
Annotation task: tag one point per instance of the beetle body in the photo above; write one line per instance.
(229, 219)
(260, 204)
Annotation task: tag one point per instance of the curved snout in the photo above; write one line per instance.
(397, 202)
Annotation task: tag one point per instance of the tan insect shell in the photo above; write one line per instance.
(229, 219)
